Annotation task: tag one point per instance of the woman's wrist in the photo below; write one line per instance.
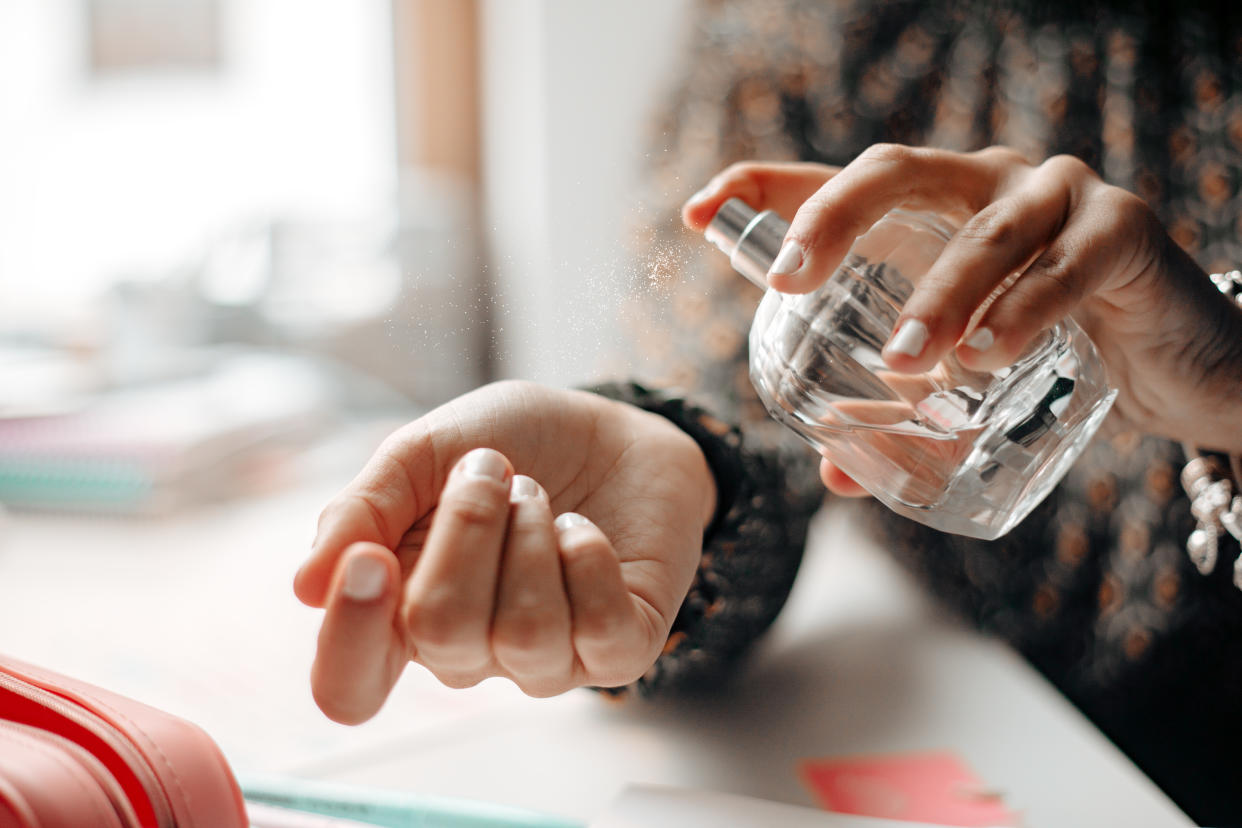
(1221, 359)
(1228, 375)
(1203, 404)
(1213, 480)
(718, 442)
(751, 550)
(1223, 370)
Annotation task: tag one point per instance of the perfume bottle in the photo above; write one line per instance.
(962, 451)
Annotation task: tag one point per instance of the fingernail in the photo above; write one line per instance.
(570, 519)
(981, 339)
(524, 488)
(485, 464)
(910, 338)
(788, 261)
(364, 578)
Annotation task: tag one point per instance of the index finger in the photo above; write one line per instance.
(395, 488)
(885, 176)
(780, 187)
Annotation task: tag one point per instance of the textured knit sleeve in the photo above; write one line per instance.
(1095, 586)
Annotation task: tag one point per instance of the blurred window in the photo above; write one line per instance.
(134, 133)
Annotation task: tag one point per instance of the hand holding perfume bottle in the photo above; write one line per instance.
(922, 337)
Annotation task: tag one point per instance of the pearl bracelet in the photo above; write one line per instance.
(1212, 482)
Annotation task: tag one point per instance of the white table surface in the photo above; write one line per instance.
(194, 613)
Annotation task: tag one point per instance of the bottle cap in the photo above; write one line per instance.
(750, 239)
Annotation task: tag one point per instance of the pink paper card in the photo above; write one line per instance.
(934, 787)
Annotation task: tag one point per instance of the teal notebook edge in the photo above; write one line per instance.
(390, 809)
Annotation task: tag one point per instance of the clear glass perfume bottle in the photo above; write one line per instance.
(963, 451)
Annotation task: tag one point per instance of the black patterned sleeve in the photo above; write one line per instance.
(751, 550)
(1095, 587)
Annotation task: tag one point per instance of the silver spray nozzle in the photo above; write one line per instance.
(751, 240)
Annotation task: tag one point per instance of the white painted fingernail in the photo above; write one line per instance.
(981, 339)
(788, 261)
(569, 520)
(364, 578)
(524, 488)
(910, 338)
(485, 464)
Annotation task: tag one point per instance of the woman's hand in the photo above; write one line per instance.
(439, 553)
(1172, 342)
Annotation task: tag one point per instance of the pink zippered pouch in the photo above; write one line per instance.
(75, 755)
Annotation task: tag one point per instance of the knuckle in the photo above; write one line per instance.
(1067, 166)
(815, 214)
(328, 515)
(350, 507)
(991, 228)
(620, 672)
(1004, 156)
(511, 386)
(435, 623)
(581, 547)
(377, 515)
(468, 509)
(600, 625)
(543, 688)
(1126, 208)
(1052, 273)
(737, 170)
(524, 633)
(398, 442)
(894, 154)
(529, 525)
(463, 411)
(456, 680)
(337, 508)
